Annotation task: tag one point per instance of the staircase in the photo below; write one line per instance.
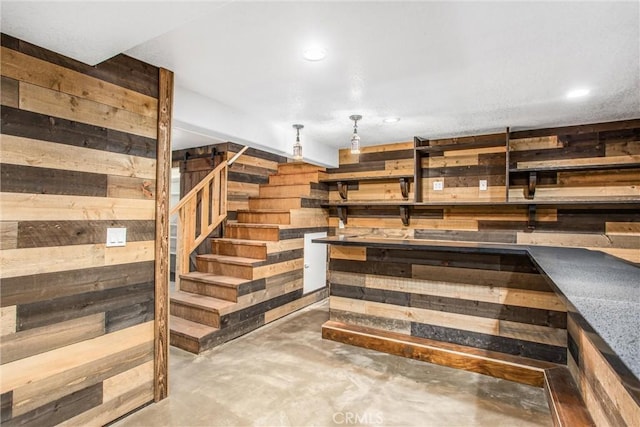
(254, 274)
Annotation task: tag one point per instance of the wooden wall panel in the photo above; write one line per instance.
(78, 155)
(492, 302)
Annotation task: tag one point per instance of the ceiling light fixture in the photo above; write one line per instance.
(577, 93)
(314, 53)
(355, 139)
(391, 120)
(297, 147)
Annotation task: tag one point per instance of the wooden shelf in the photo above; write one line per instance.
(607, 166)
(455, 147)
(343, 183)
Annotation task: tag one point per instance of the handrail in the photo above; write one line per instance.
(193, 228)
(194, 225)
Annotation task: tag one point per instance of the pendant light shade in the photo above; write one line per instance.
(297, 147)
(355, 138)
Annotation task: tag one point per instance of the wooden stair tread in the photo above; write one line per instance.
(187, 328)
(214, 279)
(241, 241)
(228, 259)
(565, 402)
(252, 225)
(200, 301)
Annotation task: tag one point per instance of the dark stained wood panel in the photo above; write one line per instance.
(34, 180)
(54, 129)
(36, 234)
(47, 286)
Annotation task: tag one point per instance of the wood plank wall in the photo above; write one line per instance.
(615, 230)
(78, 155)
(493, 302)
(245, 175)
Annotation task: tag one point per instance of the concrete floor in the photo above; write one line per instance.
(285, 375)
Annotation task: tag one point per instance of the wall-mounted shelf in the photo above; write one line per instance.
(342, 207)
(343, 183)
(530, 189)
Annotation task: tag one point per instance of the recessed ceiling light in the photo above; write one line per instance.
(314, 53)
(391, 120)
(578, 93)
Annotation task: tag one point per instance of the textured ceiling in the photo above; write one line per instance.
(444, 68)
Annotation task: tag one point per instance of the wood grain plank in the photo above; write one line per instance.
(563, 194)
(461, 357)
(22, 262)
(27, 124)
(625, 148)
(290, 307)
(17, 150)
(63, 408)
(90, 366)
(37, 180)
(70, 107)
(115, 407)
(535, 143)
(9, 92)
(42, 287)
(8, 235)
(48, 207)
(588, 161)
(161, 250)
(131, 188)
(39, 340)
(347, 252)
(36, 71)
(33, 234)
(8, 318)
(567, 407)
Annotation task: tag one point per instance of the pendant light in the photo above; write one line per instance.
(297, 147)
(355, 139)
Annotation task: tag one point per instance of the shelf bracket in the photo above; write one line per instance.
(530, 190)
(404, 215)
(342, 213)
(531, 222)
(343, 187)
(404, 188)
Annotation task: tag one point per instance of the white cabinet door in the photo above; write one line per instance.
(315, 262)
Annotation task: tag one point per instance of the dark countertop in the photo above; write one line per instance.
(603, 289)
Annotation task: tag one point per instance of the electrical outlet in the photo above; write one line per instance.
(116, 237)
(438, 185)
(483, 185)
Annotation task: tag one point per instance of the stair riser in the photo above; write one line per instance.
(297, 168)
(192, 345)
(264, 218)
(216, 267)
(250, 233)
(237, 249)
(209, 290)
(285, 191)
(291, 179)
(256, 203)
(195, 314)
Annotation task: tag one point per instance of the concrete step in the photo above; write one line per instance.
(269, 232)
(240, 247)
(298, 168)
(225, 265)
(198, 308)
(298, 178)
(211, 285)
(264, 216)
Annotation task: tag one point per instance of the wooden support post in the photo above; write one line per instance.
(163, 183)
(404, 188)
(343, 188)
(342, 213)
(404, 215)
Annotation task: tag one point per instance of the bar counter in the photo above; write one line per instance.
(416, 288)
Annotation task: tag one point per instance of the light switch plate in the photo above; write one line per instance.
(116, 237)
(483, 185)
(438, 185)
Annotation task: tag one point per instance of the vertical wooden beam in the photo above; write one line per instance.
(506, 161)
(163, 182)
